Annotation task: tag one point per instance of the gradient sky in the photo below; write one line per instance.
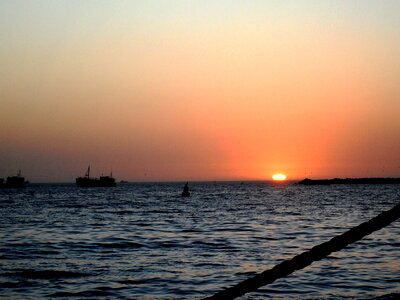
(199, 90)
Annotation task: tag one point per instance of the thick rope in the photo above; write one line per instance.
(308, 257)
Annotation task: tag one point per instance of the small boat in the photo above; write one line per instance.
(13, 182)
(186, 192)
(87, 181)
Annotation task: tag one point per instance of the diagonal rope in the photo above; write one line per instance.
(308, 257)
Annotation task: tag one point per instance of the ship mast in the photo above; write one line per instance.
(87, 172)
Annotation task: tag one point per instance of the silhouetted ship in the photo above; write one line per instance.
(13, 182)
(103, 181)
(308, 181)
(186, 192)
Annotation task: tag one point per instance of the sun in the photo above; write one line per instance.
(279, 177)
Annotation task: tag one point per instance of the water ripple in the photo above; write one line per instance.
(145, 241)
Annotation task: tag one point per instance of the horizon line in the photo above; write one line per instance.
(218, 180)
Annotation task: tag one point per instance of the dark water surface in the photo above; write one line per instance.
(143, 241)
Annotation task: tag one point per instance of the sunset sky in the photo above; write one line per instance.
(199, 90)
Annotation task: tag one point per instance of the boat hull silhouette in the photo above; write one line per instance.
(87, 181)
(105, 181)
(13, 182)
(185, 194)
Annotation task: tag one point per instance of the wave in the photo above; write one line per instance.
(134, 282)
(19, 284)
(89, 293)
(120, 245)
(45, 274)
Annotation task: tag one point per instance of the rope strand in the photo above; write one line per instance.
(308, 257)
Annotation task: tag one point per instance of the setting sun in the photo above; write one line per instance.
(279, 177)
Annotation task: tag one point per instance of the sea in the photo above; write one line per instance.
(145, 241)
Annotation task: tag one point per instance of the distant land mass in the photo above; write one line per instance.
(308, 181)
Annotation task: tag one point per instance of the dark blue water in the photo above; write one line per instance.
(143, 241)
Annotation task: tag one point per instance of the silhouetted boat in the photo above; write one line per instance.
(13, 182)
(87, 181)
(186, 192)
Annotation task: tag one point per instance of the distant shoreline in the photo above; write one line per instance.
(387, 180)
